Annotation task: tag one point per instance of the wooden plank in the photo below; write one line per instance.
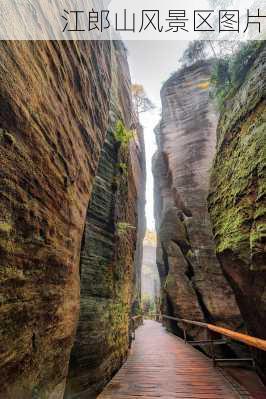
(163, 366)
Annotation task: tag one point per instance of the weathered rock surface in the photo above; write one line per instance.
(53, 117)
(110, 281)
(237, 200)
(59, 105)
(193, 284)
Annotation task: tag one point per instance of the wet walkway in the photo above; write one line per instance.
(163, 366)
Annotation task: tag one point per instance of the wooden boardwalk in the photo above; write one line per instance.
(163, 366)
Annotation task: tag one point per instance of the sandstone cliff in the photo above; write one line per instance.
(55, 127)
(193, 285)
(110, 275)
(50, 142)
(237, 201)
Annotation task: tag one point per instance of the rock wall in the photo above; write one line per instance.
(55, 127)
(193, 285)
(54, 112)
(109, 272)
(237, 200)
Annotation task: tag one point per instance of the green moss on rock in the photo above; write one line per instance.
(238, 178)
(237, 202)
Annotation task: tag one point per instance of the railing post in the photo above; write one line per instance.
(184, 332)
(254, 363)
(258, 343)
(212, 348)
(133, 330)
(130, 336)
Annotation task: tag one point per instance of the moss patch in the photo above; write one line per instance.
(238, 179)
(5, 227)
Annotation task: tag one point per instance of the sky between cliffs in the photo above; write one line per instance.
(151, 63)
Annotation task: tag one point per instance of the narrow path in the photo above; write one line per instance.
(163, 366)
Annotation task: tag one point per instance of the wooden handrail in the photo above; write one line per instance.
(246, 339)
(134, 325)
(136, 317)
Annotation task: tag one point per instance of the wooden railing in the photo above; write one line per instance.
(248, 340)
(245, 339)
(135, 322)
(240, 337)
(137, 318)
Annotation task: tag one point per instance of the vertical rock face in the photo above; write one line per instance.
(192, 280)
(59, 106)
(109, 273)
(53, 122)
(237, 200)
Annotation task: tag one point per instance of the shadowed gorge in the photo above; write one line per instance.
(58, 118)
(96, 301)
(107, 269)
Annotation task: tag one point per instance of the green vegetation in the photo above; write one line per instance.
(5, 227)
(122, 168)
(230, 71)
(236, 203)
(170, 281)
(122, 135)
(148, 305)
(194, 52)
(140, 100)
(121, 175)
(123, 227)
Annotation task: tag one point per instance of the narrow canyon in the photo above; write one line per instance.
(210, 177)
(74, 269)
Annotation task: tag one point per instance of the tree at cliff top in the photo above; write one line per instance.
(195, 51)
(140, 100)
(230, 71)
